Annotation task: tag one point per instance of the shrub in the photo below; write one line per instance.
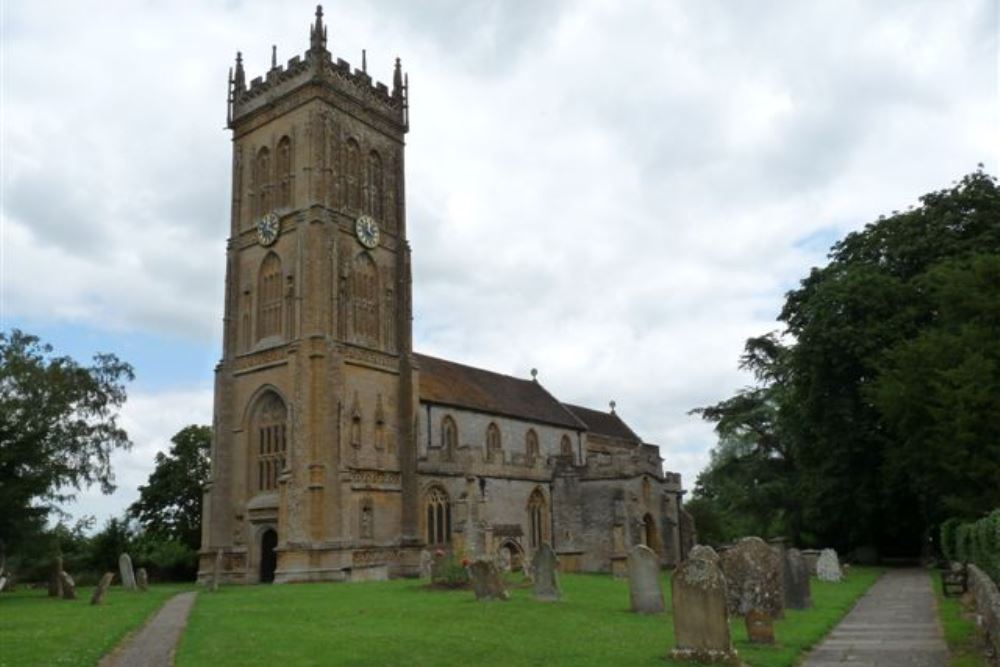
(449, 572)
(948, 529)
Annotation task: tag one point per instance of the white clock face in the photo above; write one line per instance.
(366, 230)
(268, 228)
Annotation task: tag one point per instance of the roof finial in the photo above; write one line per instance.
(534, 375)
(274, 56)
(239, 76)
(364, 61)
(397, 79)
(612, 404)
(317, 34)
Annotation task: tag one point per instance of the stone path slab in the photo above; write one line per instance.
(894, 624)
(154, 645)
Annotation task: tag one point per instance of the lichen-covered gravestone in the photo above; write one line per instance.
(701, 622)
(702, 551)
(127, 573)
(828, 566)
(543, 564)
(645, 594)
(798, 594)
(102, 588)
(753, 578)
(68, 586)
(426, 564)
(486, 581)
(142, 579)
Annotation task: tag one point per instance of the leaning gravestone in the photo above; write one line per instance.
(828, 566)
(142, 579)
(127, 573)
(753, 578)
(543, 564)
(55, 580)
(701, 622)
(645, 594)
(102, 588)
(797, 591)
(486, 581)
(760, 627)
(426, 564)
(68, 586)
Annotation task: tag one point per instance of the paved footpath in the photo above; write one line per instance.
(894, 624)
(154, 645)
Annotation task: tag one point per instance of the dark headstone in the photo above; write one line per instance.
(701, 622)
(68, 586)
(126, 571)
(760, 627)
(55, 578)
(142, 579)
(798, 594)
(645, 594)
(487, 581)
(546, 583)
(102, 588)
(753, 578)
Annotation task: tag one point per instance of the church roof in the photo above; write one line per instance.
(603, 423)
(458, 385)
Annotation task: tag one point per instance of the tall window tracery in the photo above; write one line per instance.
(262, 182)
(353, 175)
(269, 440)
(374, 188)
(283, 167)
(566, 447)
(449, 437)
(537, 529)
(438, 510)
(269, 297)
(531, 447)
(494, 447)
(364, 301)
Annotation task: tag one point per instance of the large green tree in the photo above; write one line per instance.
(887, 403)
(58, 429)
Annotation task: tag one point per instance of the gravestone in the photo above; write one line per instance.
(68, 586)
(127, 573)
(102, 588)
(645, 594)
(142, 579)
(486, 581)
(701, 622)
(811, 556)
(760, 627)
(543, 564)
(426, 564)
(798, 594)
(503, 559)
(828, 566)
(753, 578)
(217, 570)
(702, 551)
(55, 580)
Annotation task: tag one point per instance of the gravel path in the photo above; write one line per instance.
(154, 645)
(895, 624)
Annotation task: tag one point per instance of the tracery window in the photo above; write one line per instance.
(536, 519)
(438, 516)
(374, 187)
(284, 169)
(494, 448)
(269, 438)
(269, 297)
(262, 182)
(353, 175)
(449, 437)
(364, 301)
(531, 447)
(566, 447)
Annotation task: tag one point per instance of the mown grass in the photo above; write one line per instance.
(959, 630)
(38, 630)
(403, 623)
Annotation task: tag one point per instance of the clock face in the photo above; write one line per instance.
(268, 228)
(366, 230)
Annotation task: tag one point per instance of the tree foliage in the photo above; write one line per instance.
(58, 428)
(876, 413)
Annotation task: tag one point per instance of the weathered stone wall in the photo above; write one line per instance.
(987, 598)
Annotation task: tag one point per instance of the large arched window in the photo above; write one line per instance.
(438, 516)
(262, 182)
(269, 298)
(566, 447)
(352, 172)
(283, 167)
(364, 301)
(531, 447)
(537, 528)
(373, 186)
(269, 440)
(449, 437)
(494, 448)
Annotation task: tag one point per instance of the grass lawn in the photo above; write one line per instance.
(959, 630)
(38, 630)
(402, 623)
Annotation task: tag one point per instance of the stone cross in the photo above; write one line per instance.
(426, 564)
(102, 588)
(68, 586)
(55, 580)
(797, 590)
(142, 579)
(828, 566)
(546, 583)
(487, 581)
(127, 573)
(701, 622)
(753, 578)
(645, 594)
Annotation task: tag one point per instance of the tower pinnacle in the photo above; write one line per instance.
(317, 33)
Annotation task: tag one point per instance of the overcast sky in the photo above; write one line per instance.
(616, 193)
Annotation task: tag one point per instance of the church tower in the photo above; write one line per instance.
(313, 460)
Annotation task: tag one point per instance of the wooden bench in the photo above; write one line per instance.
(955, 581)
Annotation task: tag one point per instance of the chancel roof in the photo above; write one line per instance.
(458, 385)
(603, 423)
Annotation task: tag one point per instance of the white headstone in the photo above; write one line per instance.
(127, 573)
(828, 566)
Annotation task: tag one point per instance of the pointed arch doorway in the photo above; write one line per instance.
(268, 555)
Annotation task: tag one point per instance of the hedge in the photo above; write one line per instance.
(974, 542)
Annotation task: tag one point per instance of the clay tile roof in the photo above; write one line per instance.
(458, 385)
(603, 423)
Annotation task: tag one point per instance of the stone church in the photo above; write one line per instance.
(339, 453)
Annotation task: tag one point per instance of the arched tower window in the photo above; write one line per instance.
(284, 170)
(364, 304)
(269, 300)
(449, 437)
(352, 172)
(531, 447)
(262, 182)
(537, 515)
(269, 440)
(494, 448)
(566, 447)
(374, 186)
(438, 511)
